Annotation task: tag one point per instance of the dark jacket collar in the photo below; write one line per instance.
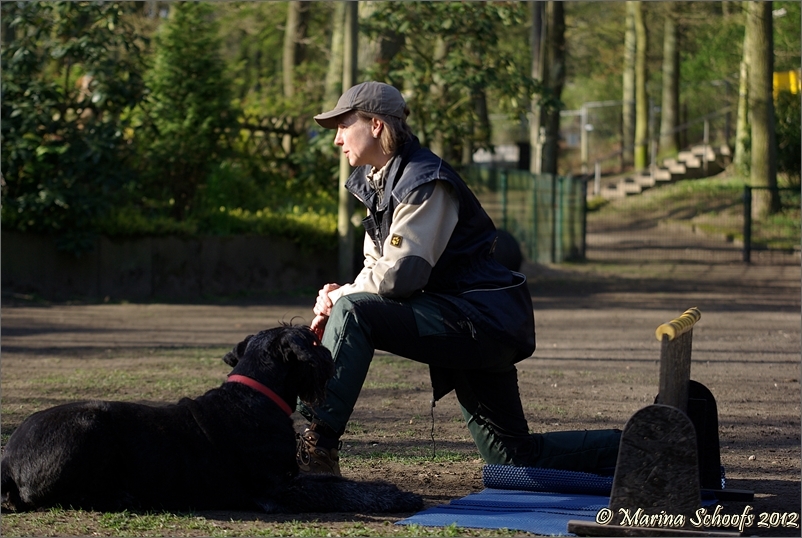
(358, 185)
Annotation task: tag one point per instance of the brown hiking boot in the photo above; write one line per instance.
(315, 459)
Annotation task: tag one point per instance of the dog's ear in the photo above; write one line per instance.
(314, 363)
(232, 357)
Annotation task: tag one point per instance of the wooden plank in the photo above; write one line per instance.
(675, 371)
(657, 467)
(588, 528)
(676, 342)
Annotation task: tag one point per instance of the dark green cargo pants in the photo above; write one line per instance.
(429, 329)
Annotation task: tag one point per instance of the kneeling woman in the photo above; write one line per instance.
(430, 290)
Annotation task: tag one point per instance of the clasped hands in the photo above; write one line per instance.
(322, 309)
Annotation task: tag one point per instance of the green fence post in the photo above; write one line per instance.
(747, 255)
(583, 209)
(558, 221)
(503, 187)
(534, 252)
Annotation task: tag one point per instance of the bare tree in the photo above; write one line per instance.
(345, 209)
(555, 77)
(763, 170)
(742, 135)
(536, 36)
(377, 52)
(628, 110)
(294, 37)
(294, 51)
(641, 100)
(669, 107)
(334, 73)
(439, 89)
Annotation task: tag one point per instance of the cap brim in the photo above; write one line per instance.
(328, 120)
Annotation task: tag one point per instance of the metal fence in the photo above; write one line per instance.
(546, 213)
(728, 235)
(548, 216)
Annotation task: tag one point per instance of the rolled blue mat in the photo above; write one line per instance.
(545, 480)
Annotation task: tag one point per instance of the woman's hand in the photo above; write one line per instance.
(322, 309)
(323, 304)
(318, 325)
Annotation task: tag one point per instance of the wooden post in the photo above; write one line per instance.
(675, 359)
(345, 269)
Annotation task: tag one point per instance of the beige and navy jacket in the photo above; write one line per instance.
(427, 233)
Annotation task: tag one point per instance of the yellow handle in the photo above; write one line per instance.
(679, 326)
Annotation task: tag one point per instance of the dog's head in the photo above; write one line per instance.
(289, 359)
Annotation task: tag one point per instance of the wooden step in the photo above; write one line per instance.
(645, 180)
(700, 151)
(630, 186)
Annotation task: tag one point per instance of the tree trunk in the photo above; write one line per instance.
(293, 52)
(536, 36)
(294, 48)
(763, 171)
(480, 129)
(669, 117)
(742, 135)
(438, 90)
(378, 53)
(334, 72)
(641, 100)
(345, 207)
(628, 109)
(555, 17)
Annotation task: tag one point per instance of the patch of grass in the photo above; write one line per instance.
(157, 375)
(596, 203)
(389, 385)
(454, 530)
(414, 455)
(156, 524)
(713, 206)
(397, 362)
(165, 375)
(59, 522)
(160, 382)
(355, 428)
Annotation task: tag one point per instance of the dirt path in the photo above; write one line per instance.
(595, 365)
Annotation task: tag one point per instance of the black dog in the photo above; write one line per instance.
(232, 448)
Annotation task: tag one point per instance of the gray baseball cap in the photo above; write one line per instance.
(370, 97)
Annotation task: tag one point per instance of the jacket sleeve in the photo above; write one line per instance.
(421, 228)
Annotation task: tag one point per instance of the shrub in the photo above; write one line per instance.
(70, 74)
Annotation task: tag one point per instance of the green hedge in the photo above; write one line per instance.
(309, 230)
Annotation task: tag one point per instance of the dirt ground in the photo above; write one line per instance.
(596, 364)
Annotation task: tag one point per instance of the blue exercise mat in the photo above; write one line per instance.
(535, 512)
(535, 479)
(540, 501)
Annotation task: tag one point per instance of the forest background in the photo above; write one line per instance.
(130, 119)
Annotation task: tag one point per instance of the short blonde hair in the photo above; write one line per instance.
(396, 131)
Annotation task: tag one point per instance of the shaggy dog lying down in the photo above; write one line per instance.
(232, 448)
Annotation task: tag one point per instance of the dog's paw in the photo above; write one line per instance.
(269, 507)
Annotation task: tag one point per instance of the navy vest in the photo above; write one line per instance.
(466, 274)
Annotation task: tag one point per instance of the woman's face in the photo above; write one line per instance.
(359, 140)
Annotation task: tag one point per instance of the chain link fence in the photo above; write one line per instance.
(728, 234)
(548, 217)
(545, 213)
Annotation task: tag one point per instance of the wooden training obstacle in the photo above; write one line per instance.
(669, 453)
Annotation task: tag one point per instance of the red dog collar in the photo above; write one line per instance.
(255, 385)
